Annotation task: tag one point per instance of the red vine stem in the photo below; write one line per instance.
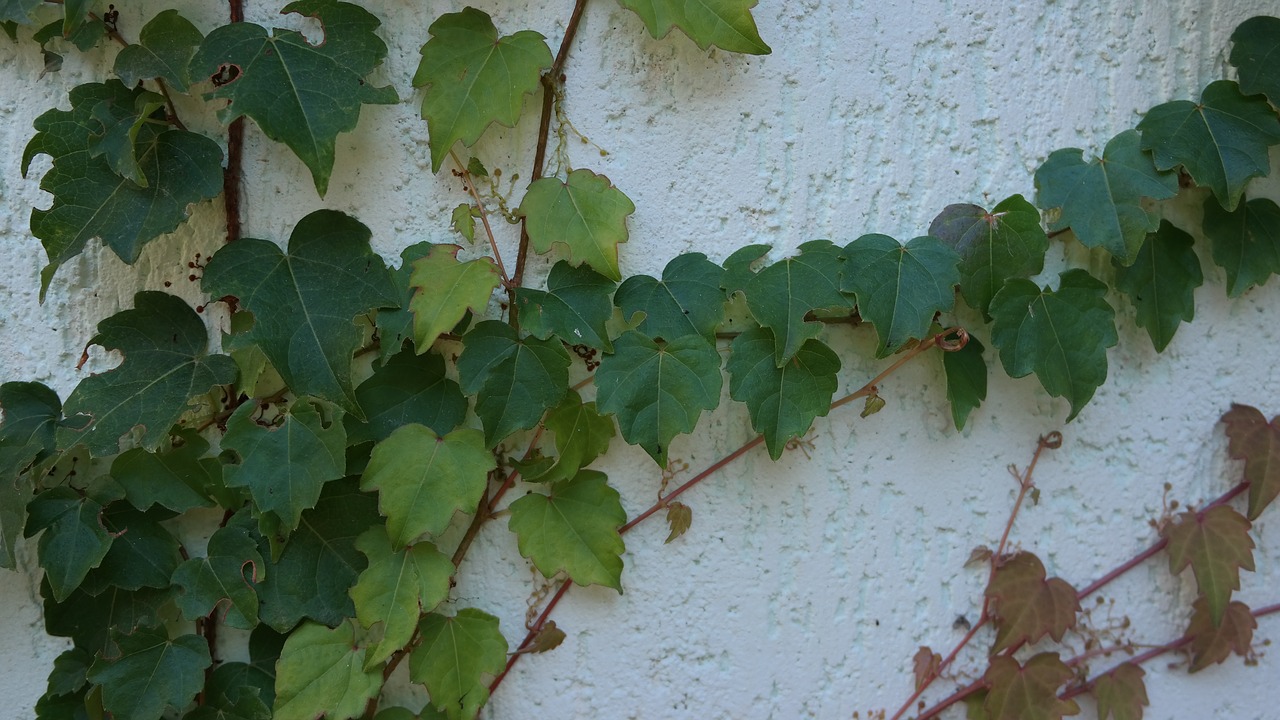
(231, 176)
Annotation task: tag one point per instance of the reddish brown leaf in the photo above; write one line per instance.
(1211, 645)
(547, 639)
(1025, 606)
(925, 665)
(1257, 442)
(679, 517)
(1121, 693)
(1216, 544)
(1027, 692)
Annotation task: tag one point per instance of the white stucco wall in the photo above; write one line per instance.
(804, 586)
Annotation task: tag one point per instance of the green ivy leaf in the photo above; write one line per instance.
(285, 465)
(899, 288)
(1061, 335)
(739, 268)
(783, 400)
(727, 24)
(576, 306)
(322, 672)
(74, 539)
(422, 479)
(456, 658)
(1161, 283)
(300, 94)
(781, 295)
(304, 302)
(515, 380)
(1257, 442)
(122, 129)
(446, 289)
(573, 529)
(687, 301)
(1213, 643)
(223, 577)
(91, 201)
(966, 372)
(164, 49)
(1216, 544)
(246, 706)
(1246, 242)
(1121, 694)
(409, 388)
(1255, 43)
(1101, 200)
(585, 213)
(658, 391)
(231, 681)
(395, 325)
(151, 672)
(473, 78)
(463, 221)
(179, 478)
(1222, 141)
(399, 585)
(89, 619)
(143, 553)
(1005, 242)
(31, 415)
(1026, 606)
(1027, 692)
(581, 435)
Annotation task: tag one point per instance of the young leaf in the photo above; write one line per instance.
(925, 665)
(966, 372)
(473, 78)
(1222, 141)
(1255, 43)
(574, 529)
(422, 479)
(548, 638)
(1161, 283)
(143, 554)
(304, 301)
(409, 388)
(1213, 642)
(1246, 242)
(151, 672)
(581, 435)
(180, 478)
(445, 289)
(687, 301)
(1101, 201)
(300, 94)
(74, 539)
(1060, 335)
(398, 586)
(783, 400)
(679, 519)
(727, 24)
(585, 213)
(69, 670)
(31, 414)
(515, 380)
(1026, 606)
(164, 49)
(1257, 442)
(899, 288)
(1121, 694)
(1006, 242)
(222, 578)
(322, 672)
(576, 307)
(781, 295)
(1216, 544)
(91, 201)
(1027, 692)
(656, 391)
(456, 658)
(395, 325)
(122, 130)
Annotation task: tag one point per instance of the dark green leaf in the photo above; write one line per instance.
(180, 478)
(1217, 546)
(31, 414)
(122, 129)
(687, 301)
(585, 213)
(88, 619)
(164, 49)
(409, 388)
(994, 246)
(230, 681)
(322, 672)
(739, 268)
(395, 325)
(446, 289)
(1246, 242)
(576, 306)
(248, 705)
(581, 433)
(143, 553)
(74, 539)
(781, 295)
(64, 707)
(222, 578)
(573, 529)
(899, 288)
(966, 380)
(783, 400)
(727, 24)
(1255, 45)
(399, 585)
(69, 669)
(456, 658)
(514, 380)
(18, 11)
(1161, 283)
(150, 673)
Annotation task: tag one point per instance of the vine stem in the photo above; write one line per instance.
(467, 180)
(231, 176)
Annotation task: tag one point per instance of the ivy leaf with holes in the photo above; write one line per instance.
(687, 301)
(304, 301)
(573, 529)
(727, 24)
(395, 325)
(422, 479)
(143, 554)
(1222, 141)
(1027, 692)
(585, 213)
(400, 584)
(1121, 694)
(322, 672)
(74, 539)
(581, 433)
(300, 94)
(1246, 242)
(1026, 606)
(286, 465)
(994, 246)
(1257, 442)
(456, 658)
(899, 288)
(473, 78)
(782, 295)
(1101, 200)
(658, 391)
(179, 478)
(783, 401)
(409, 388)
(223, 577)
(1255, 43)
(739, 268)
(91, 201)
(515, 380)
(151, 672)
(31, 415)
(1216, 544)
(1061, 335)
(966, 372)
(1213, 642)
(164, 49)
(576, 306)
(1161, 283)
(445, 289)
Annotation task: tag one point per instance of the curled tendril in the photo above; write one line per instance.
(1052, 441)
(952, 345)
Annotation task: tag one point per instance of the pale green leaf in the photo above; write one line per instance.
(900, 288)
(322, 672)
(398, 586)
(573, 529)
(727, 24)
(445, 289)
(783, 401)
(456, 658)
(585, 213)
(581, 434)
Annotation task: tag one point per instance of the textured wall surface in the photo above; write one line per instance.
(804, 586)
